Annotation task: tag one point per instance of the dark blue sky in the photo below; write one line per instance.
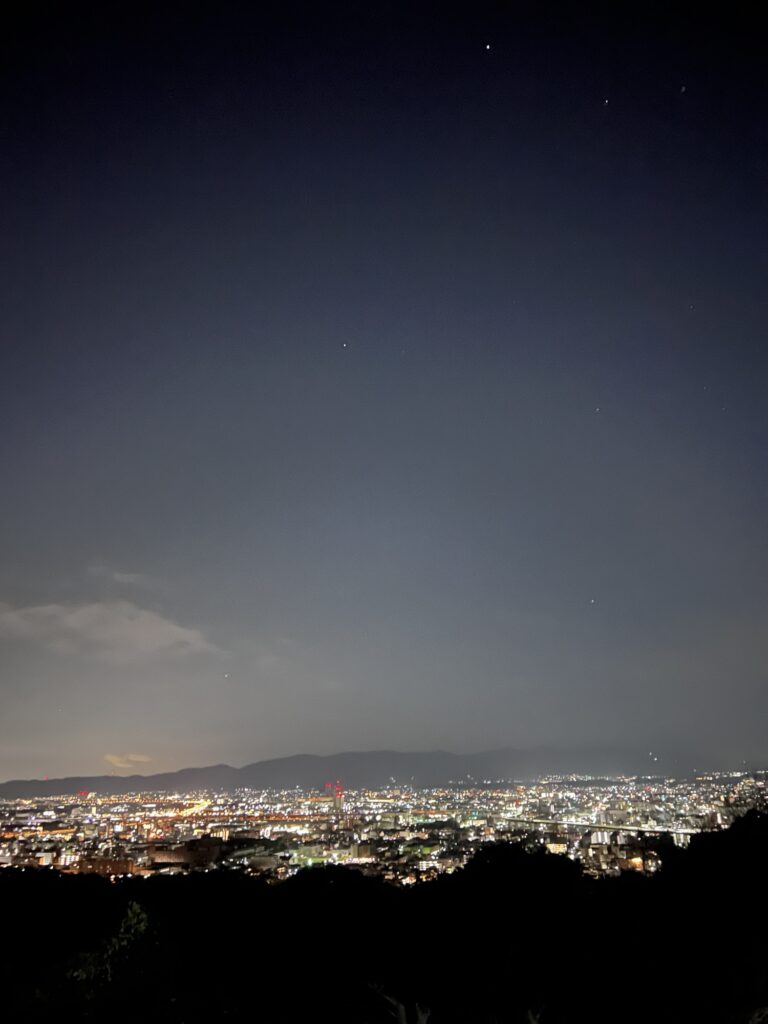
(366, 386)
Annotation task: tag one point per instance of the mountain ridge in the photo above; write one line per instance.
(372, 769)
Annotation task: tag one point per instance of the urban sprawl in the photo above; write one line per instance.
(403, 834)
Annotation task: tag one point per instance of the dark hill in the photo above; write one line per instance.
(519, 936)
(373, 769)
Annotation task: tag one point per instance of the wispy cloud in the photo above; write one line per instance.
(116, 631)
(128, 579)
(126, 760)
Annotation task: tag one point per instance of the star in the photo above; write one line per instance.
(487, 46)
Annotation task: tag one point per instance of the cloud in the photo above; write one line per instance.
(116, 631)
(126, 760)
(129, 579)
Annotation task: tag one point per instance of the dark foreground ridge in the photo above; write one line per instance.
(517, 936)
(367, 769)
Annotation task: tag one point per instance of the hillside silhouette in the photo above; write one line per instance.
(519, 935)
(368, 769)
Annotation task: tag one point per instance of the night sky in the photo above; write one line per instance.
(381, 375)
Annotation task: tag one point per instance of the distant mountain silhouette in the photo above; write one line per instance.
(368, 769)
